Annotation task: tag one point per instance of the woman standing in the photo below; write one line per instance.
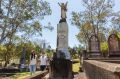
(32, 64)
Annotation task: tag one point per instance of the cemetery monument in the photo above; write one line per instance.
(94, 46)
(61, 65)
(114, 45)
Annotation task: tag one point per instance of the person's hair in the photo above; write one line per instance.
(32, 55)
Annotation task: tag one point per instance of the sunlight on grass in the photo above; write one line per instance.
(76, 66)
(20, 75)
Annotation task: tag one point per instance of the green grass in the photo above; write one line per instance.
(20, 75)
(76, 66)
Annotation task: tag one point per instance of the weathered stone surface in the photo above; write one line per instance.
(38, 75)
(61, 69)
(80, 75)
(62, 20)
(101, 70)
(114, 45)
(61, 65)
(62, 35)
(94, 46)
(62, 40)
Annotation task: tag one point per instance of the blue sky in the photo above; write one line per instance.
(73, 5)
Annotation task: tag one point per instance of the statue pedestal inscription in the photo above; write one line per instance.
(61, 65)
(62, 41)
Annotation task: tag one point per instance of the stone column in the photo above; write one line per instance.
(61, 65)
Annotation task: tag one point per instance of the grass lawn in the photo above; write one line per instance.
(20, 75)
(23, 75)
(76, 66)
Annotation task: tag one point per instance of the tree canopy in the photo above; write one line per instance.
(20, 20)
(23, 17)
(95, 19)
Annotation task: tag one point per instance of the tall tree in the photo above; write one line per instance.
(116, 22)
(93, 19)
(21, 16)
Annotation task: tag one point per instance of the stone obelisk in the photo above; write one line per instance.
(61, 65)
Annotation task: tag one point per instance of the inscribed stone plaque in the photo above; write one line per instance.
(94, 45)
(62, 34)
(114, 45)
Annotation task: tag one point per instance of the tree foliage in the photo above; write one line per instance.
(93, 19)
(20, 20)
(2, 51)
(116, 22)
(104, 47)
(22, 16)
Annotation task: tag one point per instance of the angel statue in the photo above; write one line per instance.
(63, 10)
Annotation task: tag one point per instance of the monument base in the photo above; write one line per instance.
(63, 54)
(61, 69)
(95, 54)
(114, 54)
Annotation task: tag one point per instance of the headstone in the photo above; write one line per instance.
(114, 45)
(94, 46)
(22, 59)
(61, 65)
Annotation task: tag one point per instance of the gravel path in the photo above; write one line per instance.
(81, 75)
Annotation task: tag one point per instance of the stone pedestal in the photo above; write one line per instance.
(61, 65)
(62, 41)
(61, 69)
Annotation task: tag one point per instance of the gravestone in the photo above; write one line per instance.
(22, 59)
(94, 46)
(114, 45)
(61, 65)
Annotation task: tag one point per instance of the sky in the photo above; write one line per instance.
(73, 5)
